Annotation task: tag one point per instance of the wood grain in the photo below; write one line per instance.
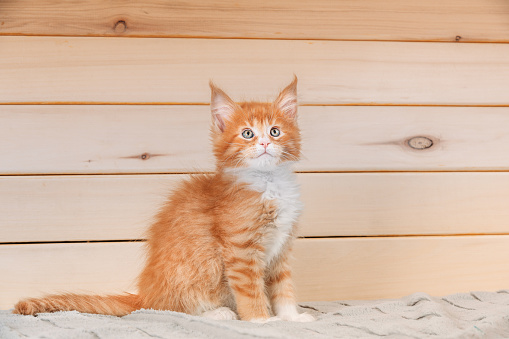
(86, 139)
(82, 208)
(105, 139)
(373, 268)
(118, 70)
(324, 269)
(62, 268)
(471, 20)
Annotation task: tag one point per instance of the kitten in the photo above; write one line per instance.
(221, 244)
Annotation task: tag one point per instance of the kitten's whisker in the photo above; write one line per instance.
(229, 157)
(289, 156)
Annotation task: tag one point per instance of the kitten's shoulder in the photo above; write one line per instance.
(210, 184)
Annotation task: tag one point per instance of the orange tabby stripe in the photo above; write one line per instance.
(247, 262)
(245, 291)
(279, 278)
(248, 244)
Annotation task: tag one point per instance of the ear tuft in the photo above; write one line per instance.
(221, 106)
(287, 99)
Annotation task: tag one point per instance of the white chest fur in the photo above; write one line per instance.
(279, 185)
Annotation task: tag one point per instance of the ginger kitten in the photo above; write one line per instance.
(221, 243)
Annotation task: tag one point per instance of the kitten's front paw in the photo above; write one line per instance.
(221, 313)
(301, 318)
(289, 312)
(263, 321)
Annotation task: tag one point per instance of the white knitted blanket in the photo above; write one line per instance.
(463, 315)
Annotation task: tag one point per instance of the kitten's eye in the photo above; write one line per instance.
(247, 134)
(275, 132)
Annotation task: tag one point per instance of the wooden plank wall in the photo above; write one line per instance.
(104, 107)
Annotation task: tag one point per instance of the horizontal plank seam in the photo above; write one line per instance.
(200, 173)
(71, 242)
(97, 174)
(184, 36)
(405, 235)
(109, 103)
(410, 171)
(409, 105)
(304, 237)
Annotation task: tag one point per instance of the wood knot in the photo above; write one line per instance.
(120, 26)
(458, 37)
(420, 143)
(145, 156)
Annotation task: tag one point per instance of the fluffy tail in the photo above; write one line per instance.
(118, 305)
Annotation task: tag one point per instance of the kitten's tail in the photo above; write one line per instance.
(118, 305)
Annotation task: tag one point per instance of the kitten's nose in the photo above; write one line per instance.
(264, 143)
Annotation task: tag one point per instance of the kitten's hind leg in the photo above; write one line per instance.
(221, 313)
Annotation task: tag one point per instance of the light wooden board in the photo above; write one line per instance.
(119, 70)
(64, 208)
(113, 139)
(105, 139)
(98, 267)
(373, 268)
(473, 20)
(324, 269)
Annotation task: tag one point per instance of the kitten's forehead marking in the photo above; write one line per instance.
(258, 126)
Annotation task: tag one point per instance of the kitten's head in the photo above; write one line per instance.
(253, 134)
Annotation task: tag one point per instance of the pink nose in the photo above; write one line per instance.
(265, 143)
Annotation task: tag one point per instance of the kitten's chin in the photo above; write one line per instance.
(265, 162)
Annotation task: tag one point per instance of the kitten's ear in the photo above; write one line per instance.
(287, 99)
(221, 106)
